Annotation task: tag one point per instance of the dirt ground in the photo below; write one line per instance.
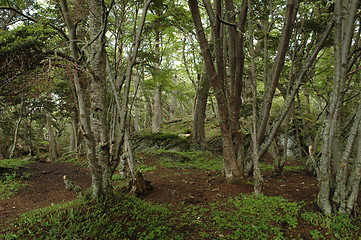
(188, 186)
(45, 186)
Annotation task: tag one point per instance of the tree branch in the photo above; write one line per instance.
(33, 19)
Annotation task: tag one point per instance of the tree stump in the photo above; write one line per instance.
(139, 185)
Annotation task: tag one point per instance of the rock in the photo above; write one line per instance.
(160, 141)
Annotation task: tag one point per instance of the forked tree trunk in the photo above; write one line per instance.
(345, 15)
(231, 168)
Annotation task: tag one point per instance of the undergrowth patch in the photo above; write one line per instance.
(187, 159)
(126, 217)
(10, 184)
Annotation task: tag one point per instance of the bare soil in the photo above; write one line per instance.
(44, 186)
(187, 186)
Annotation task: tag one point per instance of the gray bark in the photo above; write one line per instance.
(53, 153)
(157, 97)
(345, 14)
(13, 146)
(173, 103)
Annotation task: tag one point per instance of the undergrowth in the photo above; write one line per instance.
(10, 183)
(188, 159)
(14, 163)
(126, 217)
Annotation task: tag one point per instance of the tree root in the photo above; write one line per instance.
(139, 185)
(70, 186)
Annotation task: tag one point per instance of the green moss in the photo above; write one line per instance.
(15, 163)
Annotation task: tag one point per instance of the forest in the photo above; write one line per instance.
(184, 119)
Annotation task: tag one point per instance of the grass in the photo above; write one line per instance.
(126, 217)
(10, 184)
(15, 163)
(268, 166)
(10, 181)
(187, 159)
(336, 227)
(120, 218)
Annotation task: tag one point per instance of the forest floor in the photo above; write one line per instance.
(175, 186)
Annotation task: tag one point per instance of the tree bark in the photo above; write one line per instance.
(291, 11)
(199, 112)
(157, 97)
(345, 15)
(231, 169)
(173, 103)
(15, 139)
(53, 153)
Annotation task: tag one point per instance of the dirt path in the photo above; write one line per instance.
(187, 186)
(44, 187)
(199, 186)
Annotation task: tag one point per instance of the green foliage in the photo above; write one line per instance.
(25, 39)
(22, 51)
(188, 159)
(9, 185)
(177, 127)
(338, 227)
(126, 217)
(144, 168)
(118, 218)
(73, 158)
(248, 217)
(14, 163)
(159, 136)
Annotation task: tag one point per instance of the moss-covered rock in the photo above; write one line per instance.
(160, 141)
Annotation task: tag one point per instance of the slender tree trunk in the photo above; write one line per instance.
(29, 135)
(136, 82)
(73, 144)
(83, 103)
(157, 98)
(258, 179)
(53, 153)
(291, 11)
(173, 104)
(13, 146)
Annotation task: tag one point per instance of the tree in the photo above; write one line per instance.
(228, 107)
(338, 183)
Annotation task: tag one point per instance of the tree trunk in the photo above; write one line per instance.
(136, 82)
(291, 11)
(231, 168)
(157, 98)
(73, 143)
(173, 103)
(345, 15)
(53, 153)
(13, 146)
(199, 112)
